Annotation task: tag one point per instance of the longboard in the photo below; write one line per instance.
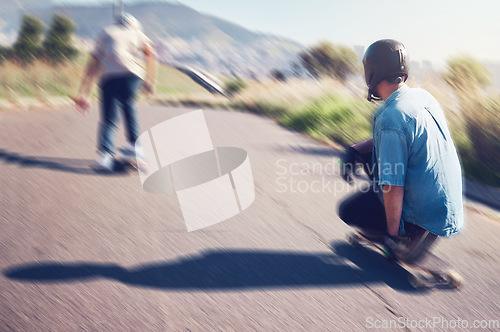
(132, 162)
(123, 165)
(429, 271)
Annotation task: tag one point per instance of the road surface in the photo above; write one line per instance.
(82, 251)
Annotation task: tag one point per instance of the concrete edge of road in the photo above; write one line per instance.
(482, 194)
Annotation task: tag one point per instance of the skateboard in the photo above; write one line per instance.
(429, 271)
(122, 165)
(126, 163)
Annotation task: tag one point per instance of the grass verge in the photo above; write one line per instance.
(326, 110)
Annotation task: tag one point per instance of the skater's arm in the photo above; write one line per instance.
(353, 156)
(393, 202)
(93, 68)
(91, 72)
(149, 82)
(364, 147)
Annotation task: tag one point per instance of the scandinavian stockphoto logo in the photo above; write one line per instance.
(212, 184)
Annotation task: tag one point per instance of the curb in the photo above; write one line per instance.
(482, 194)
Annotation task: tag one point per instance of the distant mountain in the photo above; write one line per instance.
(186, 36)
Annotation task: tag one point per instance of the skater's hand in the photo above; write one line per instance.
(348, 164)
(82, 105)
(148, 89)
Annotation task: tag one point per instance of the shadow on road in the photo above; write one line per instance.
(77, 166)
(232, 270)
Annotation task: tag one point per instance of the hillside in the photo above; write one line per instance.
(185, 35)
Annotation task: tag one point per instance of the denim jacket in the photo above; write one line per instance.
(413, 149)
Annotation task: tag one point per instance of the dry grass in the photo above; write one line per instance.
(313, 107)
(275, 99)
(316, 108)
(39, 80)
(474, 121)
(291, 94)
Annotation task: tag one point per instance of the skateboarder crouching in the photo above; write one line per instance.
(416, 194)
(117, 59)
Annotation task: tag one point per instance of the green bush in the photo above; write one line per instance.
(477, 135)
(466, 75)
(343, 120)
(5, 53)
(480, 150)
(58, 45)
(338, 61)
(268, 108)
(236, 85)
(27, 47)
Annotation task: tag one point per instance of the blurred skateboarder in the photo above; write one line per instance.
(417, 189)
(118, 58)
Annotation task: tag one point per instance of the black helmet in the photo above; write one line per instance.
(385, 59)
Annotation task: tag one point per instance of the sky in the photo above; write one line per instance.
(432, 30)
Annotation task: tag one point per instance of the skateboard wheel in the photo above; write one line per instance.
(416, 282)
(353, 240)
(453, 279)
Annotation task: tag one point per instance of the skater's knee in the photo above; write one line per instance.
(341, 211)
(344, 211)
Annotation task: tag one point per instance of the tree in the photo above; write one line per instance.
(466, 75)
(5, 53)
(481, 115)
(58, 45)
(278, 75)
(235, 85)
(27, 46)
(310, 64)
(331, 60)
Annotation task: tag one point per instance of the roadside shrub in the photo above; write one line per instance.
(236, 85)
(477, 135)
(343, 120)
(267, 107)
(337, 61)
(480, 152)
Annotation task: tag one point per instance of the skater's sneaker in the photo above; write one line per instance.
(142, 166)
(393, 245)
(105, 162)
(134, 156)
(132, 151)
(418, 243)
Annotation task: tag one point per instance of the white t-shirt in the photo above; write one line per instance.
(120, 50)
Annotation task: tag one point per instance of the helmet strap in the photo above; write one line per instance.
(372, 97)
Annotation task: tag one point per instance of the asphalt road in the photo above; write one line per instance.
(83, 251)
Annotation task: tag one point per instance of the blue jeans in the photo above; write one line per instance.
(122, 90)
(364, 210)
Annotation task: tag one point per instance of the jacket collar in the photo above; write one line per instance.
(392, 97)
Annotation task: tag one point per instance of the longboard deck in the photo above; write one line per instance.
(123, 165)
(436, 271)
(133, 163)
